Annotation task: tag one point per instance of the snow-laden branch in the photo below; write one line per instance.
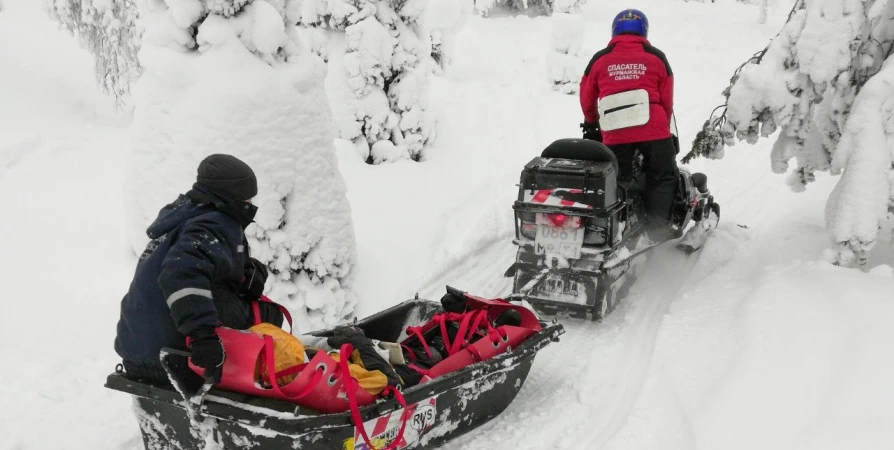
(819, 84)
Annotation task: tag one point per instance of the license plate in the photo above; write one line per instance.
(565, 242)
(556, 285)
(564, 289)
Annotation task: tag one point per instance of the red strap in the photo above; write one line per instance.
(417, 331)
(480, 319)
(465, 329)
(475, 353)
(409, 352)
(351, 387)
(256, 308)
(291, 370)
(271, 377)
(420, 371)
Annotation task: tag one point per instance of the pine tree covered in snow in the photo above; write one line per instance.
(233, 77)
(565, 65)
(108, 29)
(545, 7)
(826, 83)
(381, 55)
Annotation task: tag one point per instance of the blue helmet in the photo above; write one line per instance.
(630, 21)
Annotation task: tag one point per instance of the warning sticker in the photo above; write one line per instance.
(383, 430)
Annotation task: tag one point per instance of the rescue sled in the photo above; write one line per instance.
(580, 230)
(437, 411)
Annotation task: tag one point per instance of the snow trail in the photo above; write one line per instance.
(623, 343)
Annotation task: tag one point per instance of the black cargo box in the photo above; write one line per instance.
(597, 180)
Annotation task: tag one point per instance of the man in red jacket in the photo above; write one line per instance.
(627, 96)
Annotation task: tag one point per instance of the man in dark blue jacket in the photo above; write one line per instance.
(195, 274)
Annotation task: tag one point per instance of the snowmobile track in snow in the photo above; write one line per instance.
(581, 391)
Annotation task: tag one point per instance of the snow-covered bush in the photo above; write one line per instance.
(545, 7)
(234, 77)
(564, 63)
(825, 83)
(443, 20)
(108, 29)
(381, 54)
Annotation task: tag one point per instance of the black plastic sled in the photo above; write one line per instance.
(580, 230)
(443, 409)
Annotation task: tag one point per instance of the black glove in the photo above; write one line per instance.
(207, 353)
(348, 335)
(255, 276)
(370, 359)
(592, 131)
(676, 143)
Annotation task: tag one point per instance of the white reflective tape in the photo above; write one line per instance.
(188, 291)
(623, 110)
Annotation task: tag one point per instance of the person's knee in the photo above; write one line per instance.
(662, 156)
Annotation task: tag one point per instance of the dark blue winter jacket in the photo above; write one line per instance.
(196, 248)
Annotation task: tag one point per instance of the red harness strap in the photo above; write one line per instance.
(256, 310)
(417, 331)
(475, 353)
(351, 387)
(409, 352)
(471, 323)
(271, 376)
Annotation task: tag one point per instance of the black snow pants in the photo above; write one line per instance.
(660, 166)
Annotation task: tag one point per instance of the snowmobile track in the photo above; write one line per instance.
(644, 339)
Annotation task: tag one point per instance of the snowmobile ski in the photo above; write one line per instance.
(696, 236)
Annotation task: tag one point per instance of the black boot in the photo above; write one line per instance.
(509, 317)
(453, 303)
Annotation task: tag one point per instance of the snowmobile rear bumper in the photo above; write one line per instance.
(589, 295)
(444, 408)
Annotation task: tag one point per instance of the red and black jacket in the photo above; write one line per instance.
(629, 63)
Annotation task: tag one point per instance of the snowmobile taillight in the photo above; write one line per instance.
(559, 220)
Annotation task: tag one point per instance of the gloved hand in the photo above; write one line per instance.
(207, 353)
(676, 143)
(348, 335)
(255, 276)
(369, 357)
(592, 131)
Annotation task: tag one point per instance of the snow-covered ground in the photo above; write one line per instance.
(751, 343)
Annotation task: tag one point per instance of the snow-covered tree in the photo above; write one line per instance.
(108, 29)
(232, 76)
(442, 21)
(545, 7)
(381, 54)
(565, 66)
(826, 83)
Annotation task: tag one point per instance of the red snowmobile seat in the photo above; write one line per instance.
(582, 149)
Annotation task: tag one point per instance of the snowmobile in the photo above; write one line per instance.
(424, 416)
(580, 230)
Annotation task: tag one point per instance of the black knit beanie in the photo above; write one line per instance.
(228, 175)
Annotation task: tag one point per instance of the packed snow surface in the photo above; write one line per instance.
(754, 342)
